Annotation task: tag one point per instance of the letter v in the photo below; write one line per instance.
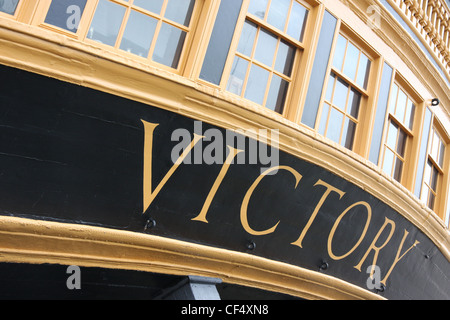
(149, 193)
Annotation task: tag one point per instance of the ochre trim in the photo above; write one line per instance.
(33, 49)
(39, 242)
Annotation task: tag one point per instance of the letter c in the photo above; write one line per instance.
(244, 207)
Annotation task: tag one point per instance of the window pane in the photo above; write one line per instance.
(65, 14)
(258, 8)
(401, 106)
(363, 71)
(393, 99)
(434, 178)
(353, 103)
(169, 45)
(247, 38)
(441, 155)
(277, 94)
(388, 161)
(138, 34)
(285, 58)
(427, 174)
(331, 81)
(431, 200)
(409, 116)
(392, 136)
(324, 118)
(401, 143)
(435, 146)
(278, 13)
(237, 76)
(152, 5)
(297, 21)
(265, 48)
(335, 125)
(340, 94)
(398, 169)
(256, 84)
(220, 41)
(106, 22)
(348, 135)
(9, 6)
(339, 52)
(180, 11)
(351, 59)
(425, 194)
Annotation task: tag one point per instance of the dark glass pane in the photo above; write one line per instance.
(319, 71)
(353, 103)
(9, 6)
(180, 11)
(431, 200)
(169, 45)
(349, 134)
(398, 168)
(285, 58)
(106, 23)
(401, 143)
(277, 94)
(375, 147)
(220, 41)
(434, 178)
(65, 14)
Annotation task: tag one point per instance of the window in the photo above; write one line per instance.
(155, 29)
(399, 129)
(434, 169)
(66, 14)
(263, 63)
(9, 6)
(347, 85)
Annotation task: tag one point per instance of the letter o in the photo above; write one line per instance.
(336, 224)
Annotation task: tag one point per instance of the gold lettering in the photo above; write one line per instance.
(375, 248)
(336, 224)
(149, 193)
(330, 189)
(202, 216)
(244, 207)
(398, 257)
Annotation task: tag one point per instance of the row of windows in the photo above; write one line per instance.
(256, 51)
